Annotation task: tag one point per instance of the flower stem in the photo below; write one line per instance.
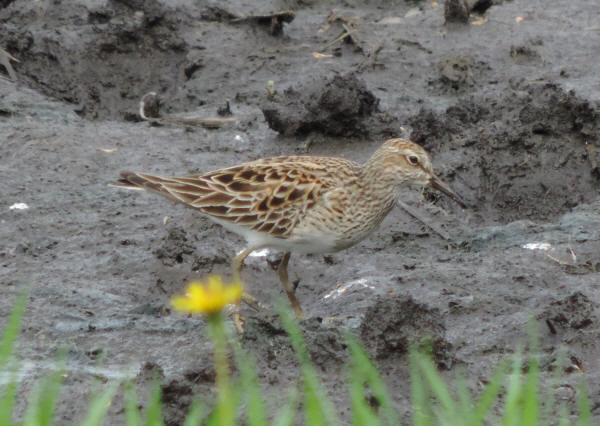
(225, 405)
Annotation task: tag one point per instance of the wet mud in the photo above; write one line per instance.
(506, 102)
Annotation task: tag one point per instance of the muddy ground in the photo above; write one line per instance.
(507, 104)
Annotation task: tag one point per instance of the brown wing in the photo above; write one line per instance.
(268, 195)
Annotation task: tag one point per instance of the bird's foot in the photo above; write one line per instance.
(253, 302)
(233, 312)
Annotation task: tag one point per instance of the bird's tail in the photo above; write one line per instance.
(144, 181)
(186, 189)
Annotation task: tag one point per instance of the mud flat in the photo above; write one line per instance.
(507, 104)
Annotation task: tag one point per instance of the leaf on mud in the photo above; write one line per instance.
(390, 20)
(413, 12)
(107, 150)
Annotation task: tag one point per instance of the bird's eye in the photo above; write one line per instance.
(413, 159)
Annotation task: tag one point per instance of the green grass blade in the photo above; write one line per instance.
(10, 335)
(12, 328)
(464, 396)
(419, 395)
(99, 405)
(363, 370)
(295, 335)
(317, 406)
(7, 403)
(47, 403)
(583, 405)
(154, 409)
(549, 398)
(315, 411)
(132, 412)
(489, 396)
(531, 401)
(513, 393)
(249, 385)
(440, 390)
(287, 415)
(563, 415)
(362, 413)
(195, 413)
(40, 409)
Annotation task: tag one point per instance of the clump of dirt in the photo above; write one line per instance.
(458, 75)
(576, 311)
(86, 62)
(175, 247)
(538, 168)
(324, 343)
(570, 319)
(178, 393)
(393, 323)
(456, 71)
(526, 54)
(337, 106)
(456, 11)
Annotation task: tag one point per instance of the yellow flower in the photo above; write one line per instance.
(209, 297)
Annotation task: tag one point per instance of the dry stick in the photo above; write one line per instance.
(331, 43)
(353, 37)
(371, 58)
(429, 224)
(564, 262)
(5, 59)
(591, 151)
(559, 261)
(208, 122)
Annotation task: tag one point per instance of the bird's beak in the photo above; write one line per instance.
(436, 183)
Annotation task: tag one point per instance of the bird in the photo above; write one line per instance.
(300, 204)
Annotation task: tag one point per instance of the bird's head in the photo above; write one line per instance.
(409, 163)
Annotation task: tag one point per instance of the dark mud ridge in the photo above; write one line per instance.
(505, 98)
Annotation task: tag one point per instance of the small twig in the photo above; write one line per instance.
(149, 111)
(414, 213)
(563, 262)
(557, 260)
(591, 154)
(571, 251)
(149, 106)
(5, 59)
(351, 32)
(208, 122)
(370, 60)
(331, 43)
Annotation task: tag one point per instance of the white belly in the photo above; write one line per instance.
(325, 243)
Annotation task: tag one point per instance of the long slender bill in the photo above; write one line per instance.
(436, 183)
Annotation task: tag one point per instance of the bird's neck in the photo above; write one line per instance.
(377, 187)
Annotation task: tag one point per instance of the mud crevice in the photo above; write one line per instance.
(537, 167)
(86, 63)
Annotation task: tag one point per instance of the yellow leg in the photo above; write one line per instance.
(285, 281)
(238, 262)
(236, 265)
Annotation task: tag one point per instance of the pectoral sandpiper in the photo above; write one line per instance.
(300, 203)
